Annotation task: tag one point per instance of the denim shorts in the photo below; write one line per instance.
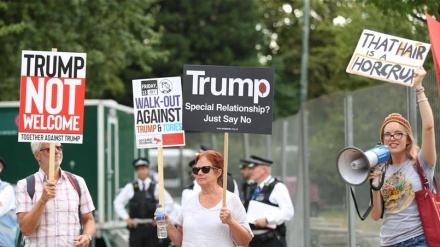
(419, 241)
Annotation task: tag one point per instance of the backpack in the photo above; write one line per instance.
(30, 182)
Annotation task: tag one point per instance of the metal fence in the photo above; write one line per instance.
(304, 148)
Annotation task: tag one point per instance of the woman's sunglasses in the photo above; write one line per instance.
(205, 169)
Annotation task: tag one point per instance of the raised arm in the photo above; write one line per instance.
(428, 135)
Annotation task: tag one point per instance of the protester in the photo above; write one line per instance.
(396, 198)
(203, 221)
(194, 188)
(269, 227)
(8, 219)
(142, 196)
(54, 214)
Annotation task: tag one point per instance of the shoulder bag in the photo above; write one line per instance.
(428, 203)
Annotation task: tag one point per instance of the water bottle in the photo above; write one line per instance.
(160, 221)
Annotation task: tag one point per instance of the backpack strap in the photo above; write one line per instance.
(30, 183)
(75, 184)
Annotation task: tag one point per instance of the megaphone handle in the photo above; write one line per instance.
(356, 206)
(377, 183)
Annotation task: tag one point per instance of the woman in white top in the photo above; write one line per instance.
(203, 221)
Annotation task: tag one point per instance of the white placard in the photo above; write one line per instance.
(387, 58)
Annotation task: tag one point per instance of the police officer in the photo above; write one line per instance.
(247, 184)
(269, 230)
(142, 197)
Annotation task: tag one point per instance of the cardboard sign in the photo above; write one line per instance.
(52, 97)
(387, 58)
(157, 107)
(228, 99)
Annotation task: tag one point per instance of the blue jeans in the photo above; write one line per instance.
(419, 241)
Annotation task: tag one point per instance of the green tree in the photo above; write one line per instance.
(114, 34)
(201, 32)
(207, 32)
(413, 8)
(335, 28)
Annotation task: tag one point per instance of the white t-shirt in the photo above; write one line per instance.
(202, 226)
(187, 193)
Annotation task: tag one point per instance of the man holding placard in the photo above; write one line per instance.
(54, 207)
(54, 212)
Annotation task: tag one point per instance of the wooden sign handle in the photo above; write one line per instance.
(52, 152)
(225, 167)
(160, 173)
(52, 162)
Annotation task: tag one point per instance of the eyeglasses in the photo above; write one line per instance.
(396, 136)
(59, 148)
(205, 169)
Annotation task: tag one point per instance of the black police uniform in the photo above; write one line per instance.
(247, 187)
(142, 206)
(271, 237)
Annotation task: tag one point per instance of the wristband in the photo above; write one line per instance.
(420, 90)
(420, 100)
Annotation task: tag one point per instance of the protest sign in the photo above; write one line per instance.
(228, 99)
(434, 36)
(52, 97)
(157, 107)
(388, 58)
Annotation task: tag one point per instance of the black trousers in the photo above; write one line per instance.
(274, 242)
(145, 235)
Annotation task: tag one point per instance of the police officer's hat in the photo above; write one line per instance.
(3, 162)
(205, 147)
(141, 162)
(258, 161)
(244, 163)
(192, 163)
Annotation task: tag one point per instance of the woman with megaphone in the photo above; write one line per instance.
(396, 198)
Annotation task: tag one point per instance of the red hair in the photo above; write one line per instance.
(216, 160)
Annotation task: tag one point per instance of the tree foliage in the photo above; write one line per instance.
(414, 8)
(201, 32)
(335, 28)
(114, 34)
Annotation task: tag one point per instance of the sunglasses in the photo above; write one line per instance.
(59, 148)
(205, 169)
